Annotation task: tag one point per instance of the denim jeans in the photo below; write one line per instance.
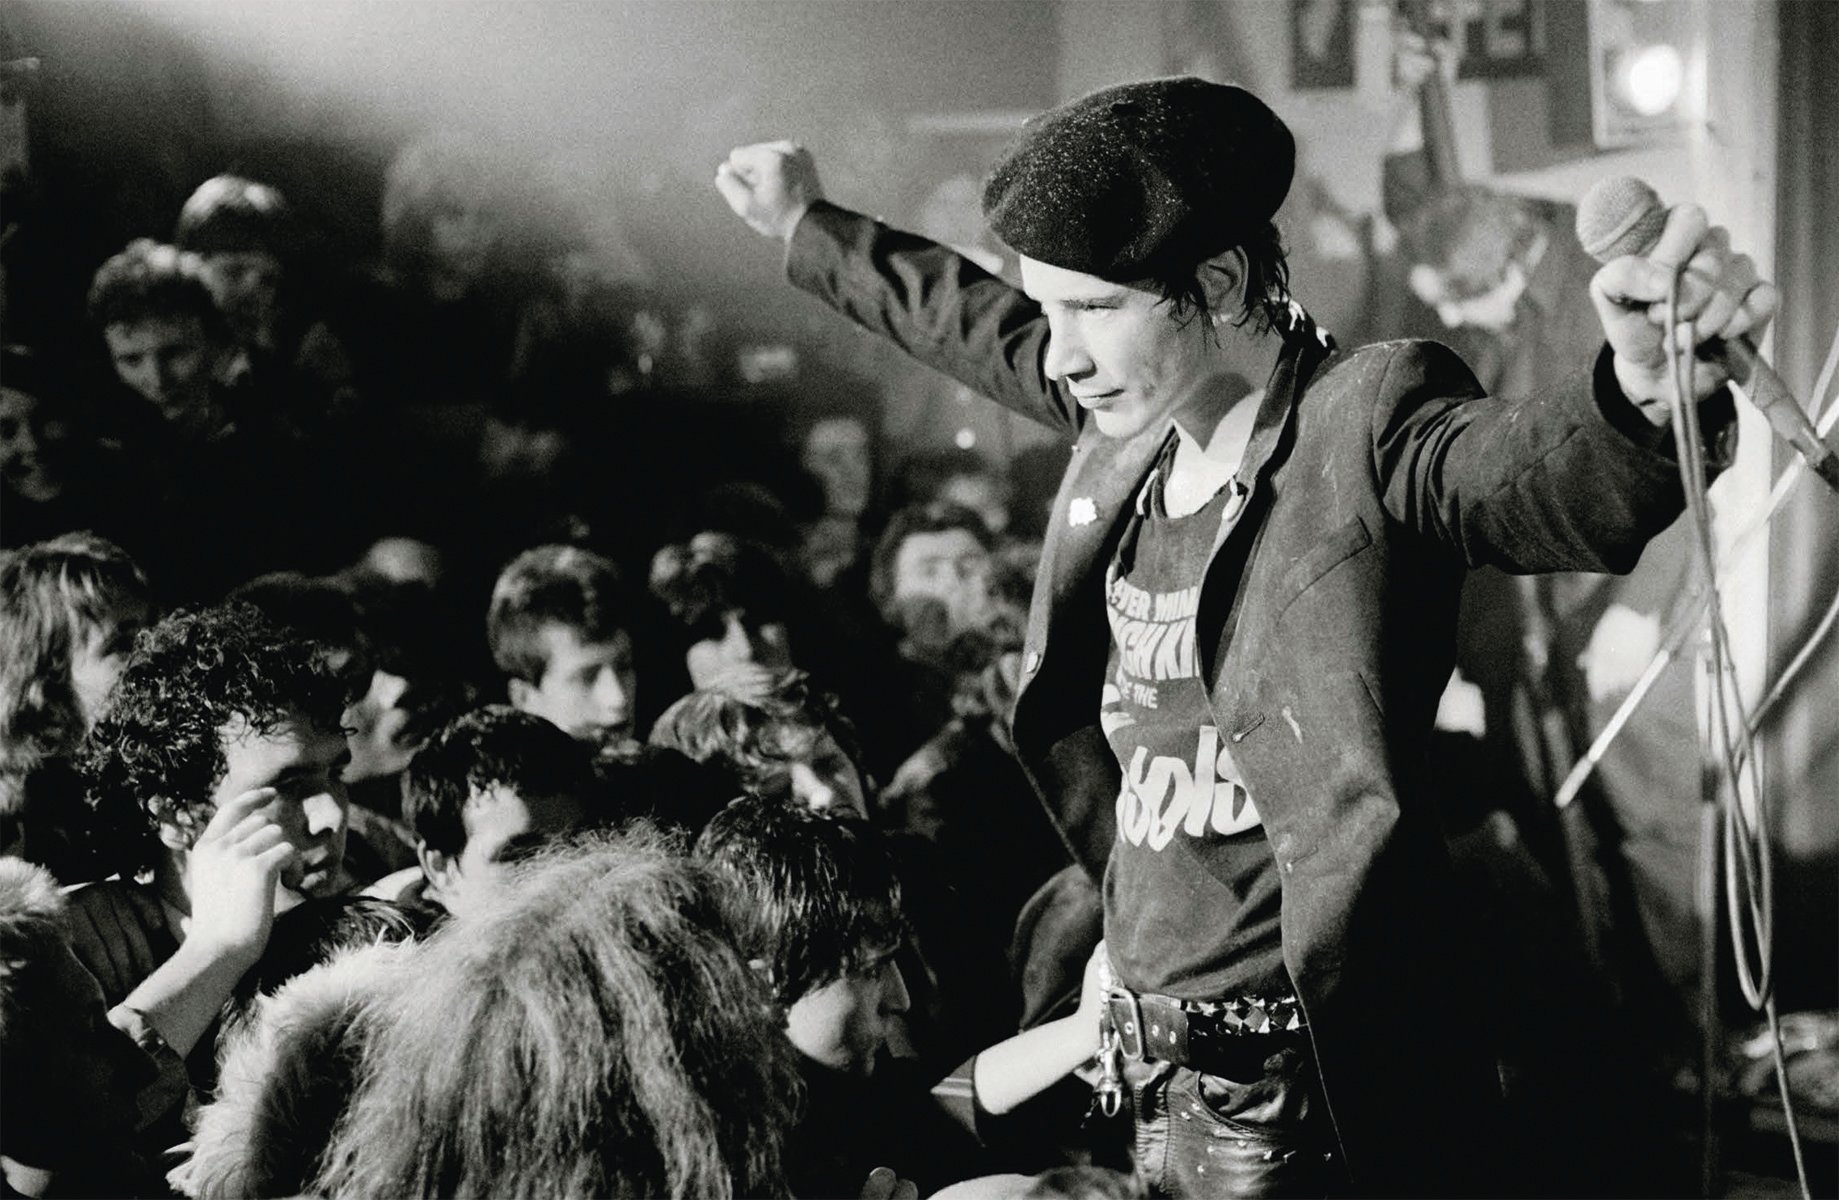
(1204, 1135)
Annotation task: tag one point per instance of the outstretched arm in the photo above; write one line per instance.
(1022, 1067)
(933, 303)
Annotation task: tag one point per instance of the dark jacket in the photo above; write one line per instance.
(1326, 629)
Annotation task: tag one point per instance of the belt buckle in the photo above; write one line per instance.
(1130, 1034)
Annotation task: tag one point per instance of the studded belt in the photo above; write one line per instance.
(1223, 1037)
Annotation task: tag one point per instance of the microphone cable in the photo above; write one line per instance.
(1747, 850)
(1686, 609)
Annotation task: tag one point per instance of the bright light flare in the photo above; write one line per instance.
(1649, 79)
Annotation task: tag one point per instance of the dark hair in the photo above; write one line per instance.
(315, 609)
(25, 370)
(228, 214)
(756, 741)
(312, 932)
(1265, 300)
(635, 781)
(812, 897)
(713, 574)
(596, 1034)
(52, 595)
(935, 516)
(553, 585)
(493, 746)
(158, 750)
(150, 281)
(922, 473)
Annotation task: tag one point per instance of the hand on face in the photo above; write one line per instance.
(232, 873)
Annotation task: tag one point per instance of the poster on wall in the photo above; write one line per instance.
(1494, 39)
(1322, 43)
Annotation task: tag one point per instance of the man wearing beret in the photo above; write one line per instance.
(1246, 605)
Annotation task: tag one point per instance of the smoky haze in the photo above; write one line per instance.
(618, 111)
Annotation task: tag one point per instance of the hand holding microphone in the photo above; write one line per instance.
(1723, 308)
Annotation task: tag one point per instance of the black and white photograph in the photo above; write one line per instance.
(878, 599)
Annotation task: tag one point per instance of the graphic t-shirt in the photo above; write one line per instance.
(1192, 896)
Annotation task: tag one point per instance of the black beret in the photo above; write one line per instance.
(1141, 178)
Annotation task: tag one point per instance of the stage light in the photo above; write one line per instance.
(1649, 79)
(966, 439)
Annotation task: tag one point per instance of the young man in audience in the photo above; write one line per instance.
(731, 607)
(166, 337)
(70, 607)
(216, 762)
(235, 491)
(250, 244)
(816, 905)
(795, 744)
(790, 741)
(929, 580)
(488, 780)
(560, 630)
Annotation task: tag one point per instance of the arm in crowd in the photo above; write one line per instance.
(235, 866)
(1012, 1072)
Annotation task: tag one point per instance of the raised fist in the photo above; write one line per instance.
(769, 185)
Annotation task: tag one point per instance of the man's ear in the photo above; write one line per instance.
(1222, 278)
(521, 693)
(176, 836)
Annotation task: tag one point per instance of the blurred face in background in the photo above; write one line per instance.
(741, 642)
(838, 455)
(247, 284)
(941, 585)
(32, 445)
(171, 362)
(461, 236)
(97, 655)
(984, 495)
(588, 690)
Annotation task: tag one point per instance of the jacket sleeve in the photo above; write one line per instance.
(1575, 479)
(933, 303)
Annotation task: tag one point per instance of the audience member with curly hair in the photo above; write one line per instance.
(596, 1034)
(216, 766)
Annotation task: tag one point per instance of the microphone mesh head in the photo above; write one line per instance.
(1617, 216)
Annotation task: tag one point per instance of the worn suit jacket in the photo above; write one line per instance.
(1326, 632)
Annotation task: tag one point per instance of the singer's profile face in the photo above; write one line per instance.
(1118, 348)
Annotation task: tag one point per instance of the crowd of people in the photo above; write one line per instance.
(447, 747)
(318, 711)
